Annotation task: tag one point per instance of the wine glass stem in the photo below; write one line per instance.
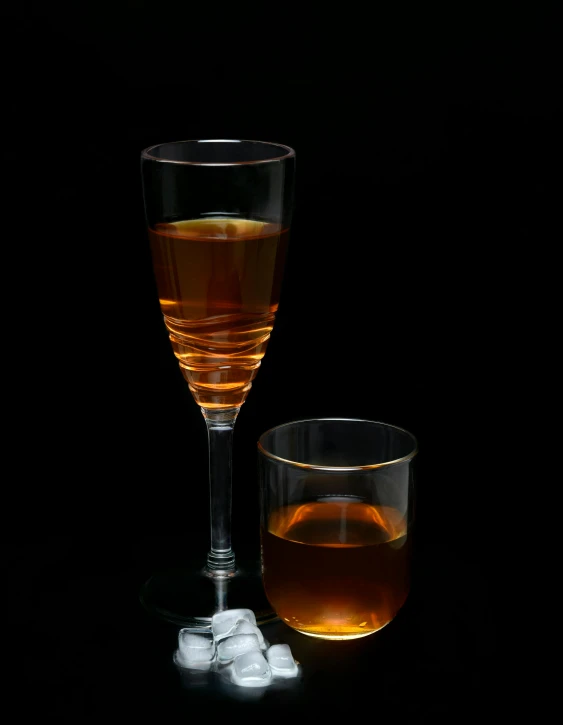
(220, 426)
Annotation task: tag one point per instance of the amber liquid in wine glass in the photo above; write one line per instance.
(219, 281)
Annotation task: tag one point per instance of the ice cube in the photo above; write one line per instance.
(245, 627)
(194, 650)
(223, 622)
(237, 644)
(251, 670)
(281, 661)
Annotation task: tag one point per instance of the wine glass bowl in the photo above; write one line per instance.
(219, 299)
(218, 214)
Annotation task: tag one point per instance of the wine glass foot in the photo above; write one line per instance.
(189, 598)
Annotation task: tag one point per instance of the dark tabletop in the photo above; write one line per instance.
(98, 654)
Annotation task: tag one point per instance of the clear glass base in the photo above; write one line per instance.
(343, 635)
(189, 598)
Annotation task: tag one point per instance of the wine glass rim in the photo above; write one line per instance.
(342, 469)
(287, 154)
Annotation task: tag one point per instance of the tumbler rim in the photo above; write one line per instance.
(315, 467)
(288, 152)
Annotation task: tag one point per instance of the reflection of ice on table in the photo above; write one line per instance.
(235, 647)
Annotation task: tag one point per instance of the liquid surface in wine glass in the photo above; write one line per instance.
(336, 569)
(219, 281)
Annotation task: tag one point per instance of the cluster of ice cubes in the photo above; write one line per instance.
(235, 647)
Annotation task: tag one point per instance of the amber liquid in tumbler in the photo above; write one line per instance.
(336, 569)
(219, 281)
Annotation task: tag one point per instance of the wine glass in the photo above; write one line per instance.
(218, 214)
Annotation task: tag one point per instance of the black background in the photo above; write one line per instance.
(424, 142)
